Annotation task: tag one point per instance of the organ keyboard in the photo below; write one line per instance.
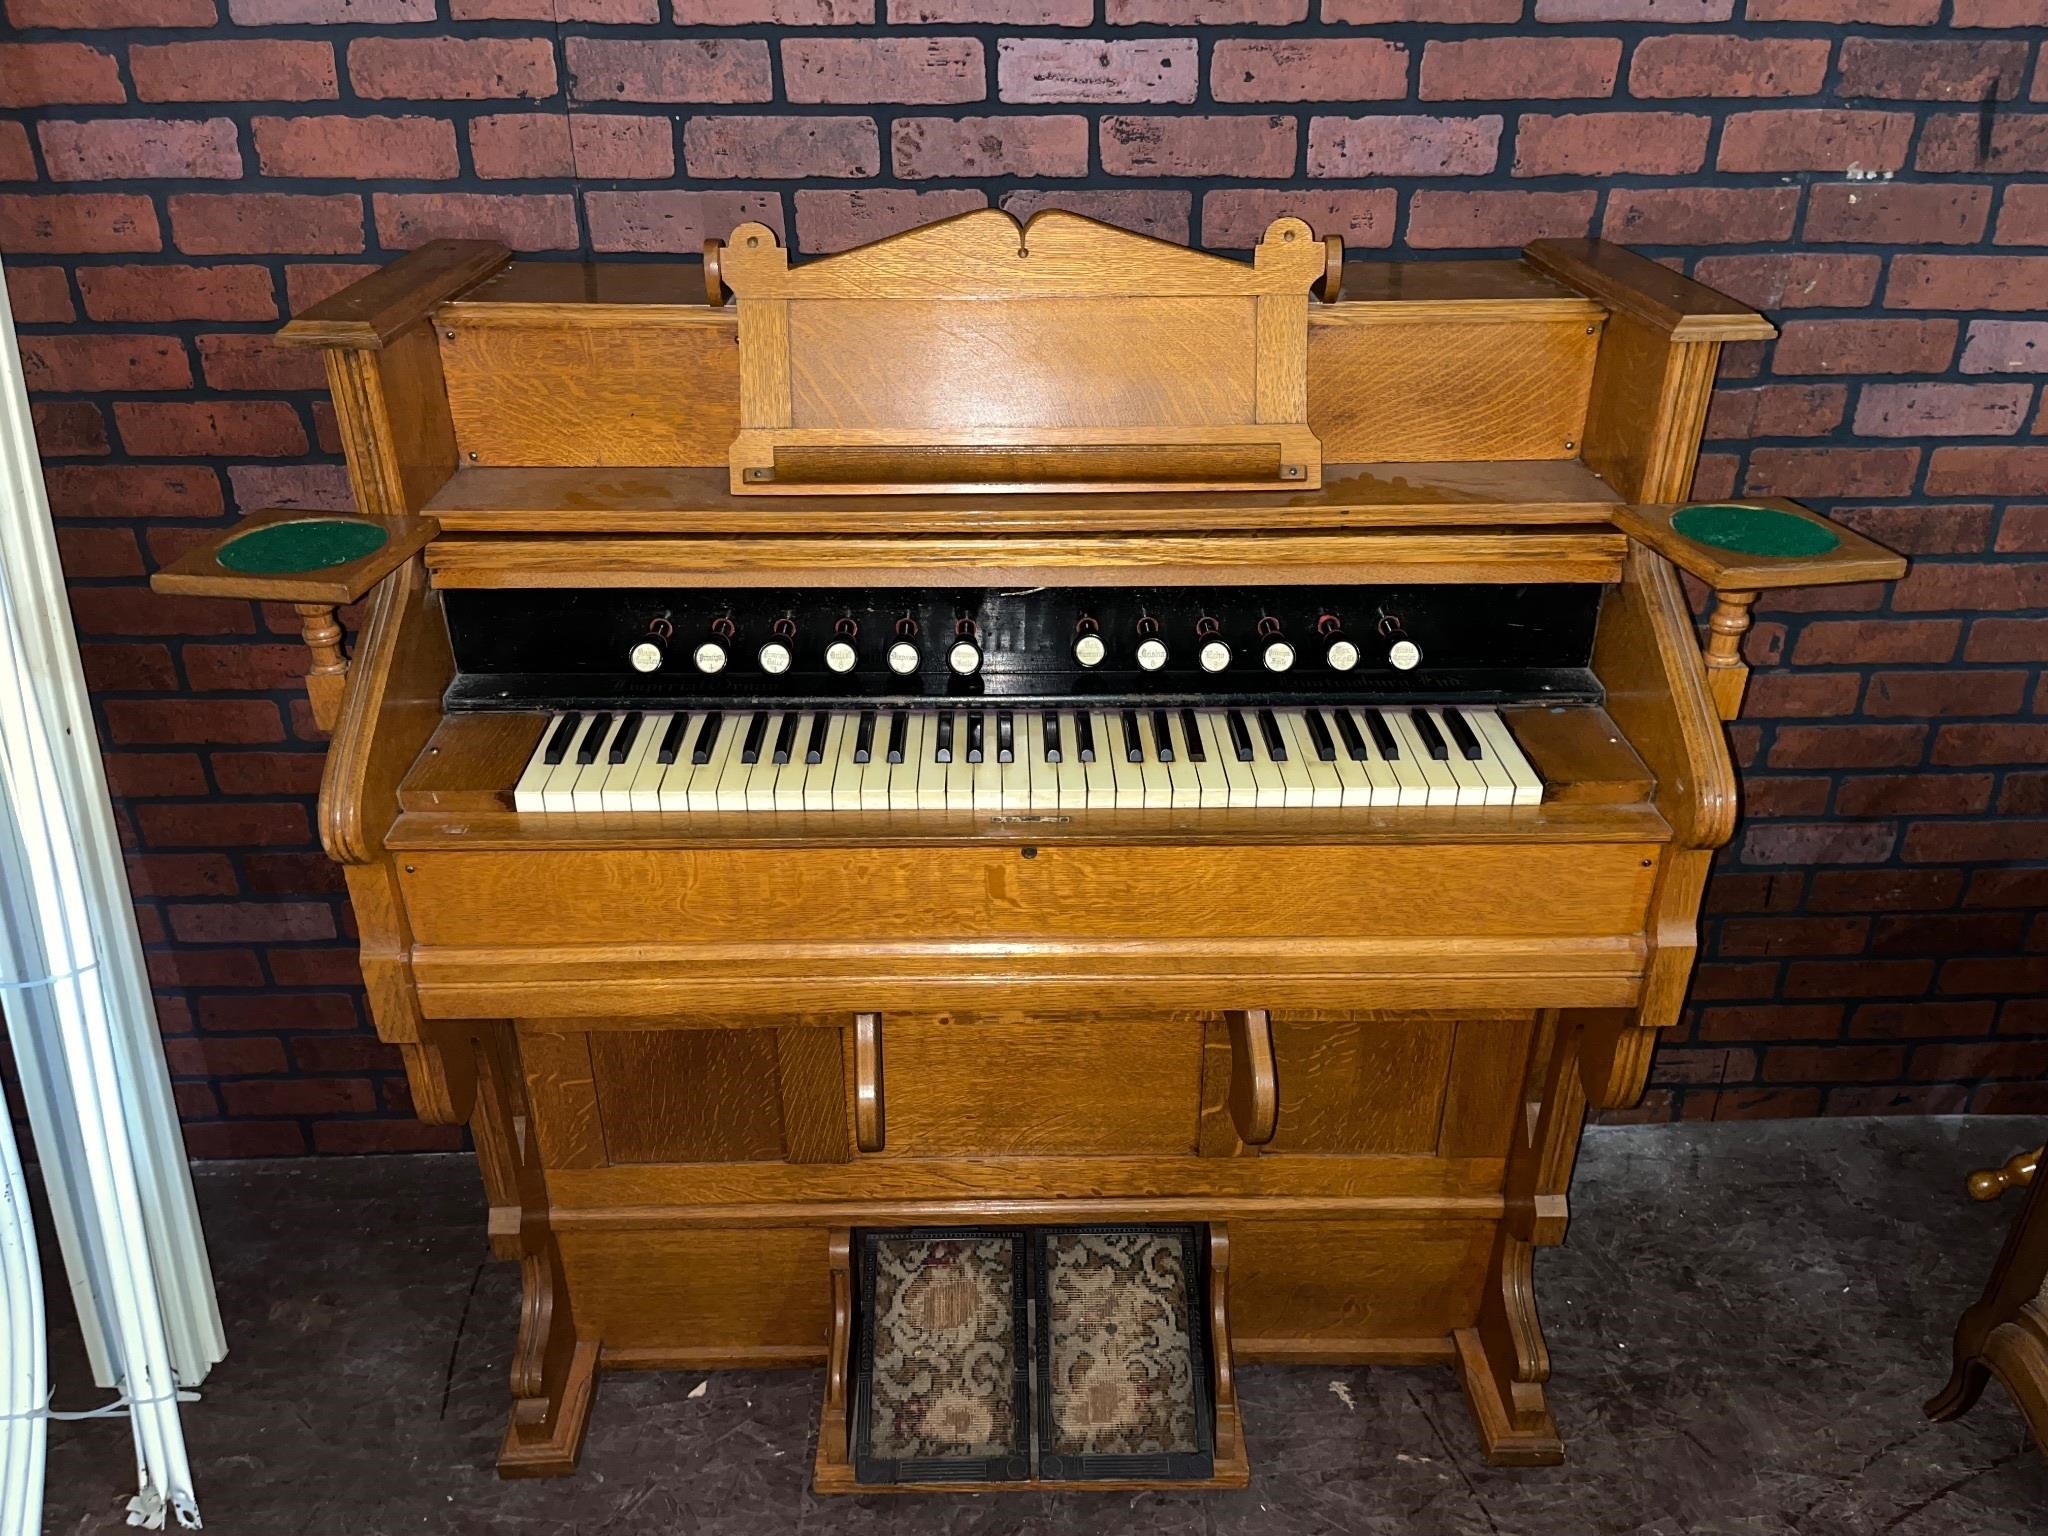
(775, 724)
(1013, 761)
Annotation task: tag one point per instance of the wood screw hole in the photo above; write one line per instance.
(1030, 853)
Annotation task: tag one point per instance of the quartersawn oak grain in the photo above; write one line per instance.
(1358, 1045)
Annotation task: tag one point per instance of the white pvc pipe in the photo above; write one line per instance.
(24, 1433)
(94, 1075)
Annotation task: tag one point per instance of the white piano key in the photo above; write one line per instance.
(1155, 790)
(790, 777)
(760, 793)
(734, 770)
(1439, 787)
(616, 795)
(960, 773)
(1100, 776)
(696, 782)
(1326, 790)
(1212, 787)
(534, 776)
(643, 790)
(587, 795)
(848, 776)
(1269, 787)
(1355, 785)
(822, 781)
(556, 795)
(988, 773)
(1522, 775)
(1409, 785)
(1295, 789)
(930, 794)
(1014, 791)
(1070, 774)
(1240, 776)
(1183, 777)
(1464, 772)
(873, 791)
(1500, 789)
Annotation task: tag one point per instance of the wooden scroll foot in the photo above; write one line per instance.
(2016, 1353)
(2016, 1172)
(1503, 1364)
(554, 1375)
(1515, 1427)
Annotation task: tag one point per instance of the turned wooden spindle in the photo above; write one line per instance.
(1727, 673)
(327, 677)
(2016, 1172)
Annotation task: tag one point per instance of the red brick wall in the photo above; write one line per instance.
(176, 175)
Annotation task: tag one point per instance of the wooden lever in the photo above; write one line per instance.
(868, 1127)
(1254, 1090)
(2016, 1172)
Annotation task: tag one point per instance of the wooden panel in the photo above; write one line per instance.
(968, 1088)
(372, 310)
(1071, 333)
(1648, 291)
(1483, 1092)
(866, 363)
(1359, 1084)
(1449, 391)
(1063, 560)
(658, 393)
(811, 1077)
(1300, 1287)
(723, 1296)
(561, 1088)
(697, 1095)
(860, 895)
(656, 499)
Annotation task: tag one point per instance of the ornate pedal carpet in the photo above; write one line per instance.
(1123, 1380)
(944, 1356)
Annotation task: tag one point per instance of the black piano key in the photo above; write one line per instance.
(785, 737)
(1276, 744)
(1240, 737)
(1006, 737)
(708, 728)
(899, 731)
(1053, 753)
(814, 749)
(629, 730)
(1347, 731)
(750, 747)
(864, 737)
(1382, 736)
(1084, 736)
(975, 733)
(586, 751)
(1134, 746)
(944, 738)
(1319, 736)
(671, 741)
(1461, 735)
(558, 743)
(1432, 738)
(1191, 737)
(1162, 738)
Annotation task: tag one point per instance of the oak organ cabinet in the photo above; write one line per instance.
(1022, 727)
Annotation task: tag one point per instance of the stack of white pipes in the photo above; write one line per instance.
(84, 1036)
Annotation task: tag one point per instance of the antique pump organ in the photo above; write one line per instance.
(1005, 739)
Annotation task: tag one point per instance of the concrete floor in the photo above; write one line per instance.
(1742, 1329)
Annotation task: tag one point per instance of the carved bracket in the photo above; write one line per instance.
(869, 1127)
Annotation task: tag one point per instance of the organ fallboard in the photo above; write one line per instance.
(1019, 741)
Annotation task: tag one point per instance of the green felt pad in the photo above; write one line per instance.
(1754, 530)
(304, 544)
